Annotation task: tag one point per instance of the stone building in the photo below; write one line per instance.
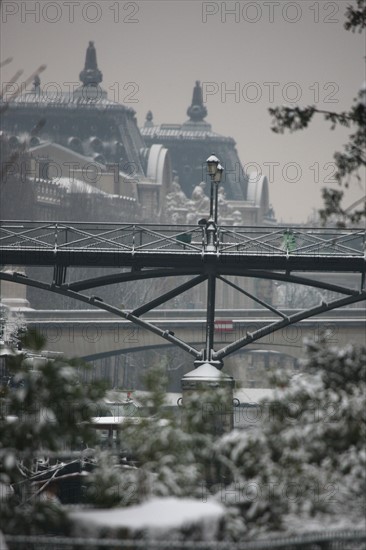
(81, 134)
(244, 198)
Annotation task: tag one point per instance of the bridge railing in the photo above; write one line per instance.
(331, 540)
(147, 238)
(107, 236)
(282, 240)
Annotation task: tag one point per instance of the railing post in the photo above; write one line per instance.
(211, 232)
(56, 236)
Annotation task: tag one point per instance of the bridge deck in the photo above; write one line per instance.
(134, 245)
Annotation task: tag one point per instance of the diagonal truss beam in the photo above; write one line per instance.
(168, 295)
(289, 278)
(272, 327)
(133, 275)
(258, 300)
(354, 296)
(98, 302)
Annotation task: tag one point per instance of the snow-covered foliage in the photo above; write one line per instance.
(12, 326)
(174, 455)
(44, 409)
(165, 452)
(307, 459)
(303, 464)
(351, 161)
(111, 483)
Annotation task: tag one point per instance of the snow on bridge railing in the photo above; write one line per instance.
(147, 238)
(331, 540)
(300, 241)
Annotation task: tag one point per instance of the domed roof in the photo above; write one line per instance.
(81, 119)
(192, 142)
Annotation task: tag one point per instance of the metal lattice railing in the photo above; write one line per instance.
(332, 540)
(148, 238)
(280, 240)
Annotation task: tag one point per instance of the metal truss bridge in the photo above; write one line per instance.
(205, 252)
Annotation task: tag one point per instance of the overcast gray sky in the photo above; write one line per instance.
(151, 52)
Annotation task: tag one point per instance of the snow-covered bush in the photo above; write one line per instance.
(307, 457)
(45, 410)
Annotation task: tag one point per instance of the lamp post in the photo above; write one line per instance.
(215, 170)
(217, 180)
(207, 375)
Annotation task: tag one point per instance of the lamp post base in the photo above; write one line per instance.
(215, 390)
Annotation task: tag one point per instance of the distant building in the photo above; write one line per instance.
(191, 143)
(82, 134)
(32, 191)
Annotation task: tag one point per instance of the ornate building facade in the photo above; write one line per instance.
(83, 135)
(243, 200)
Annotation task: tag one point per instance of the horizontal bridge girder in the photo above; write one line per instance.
(221, 263)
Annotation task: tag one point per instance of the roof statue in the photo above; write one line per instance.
(176, 203)
(36, 84)
(200, 203)
(224, 207)
(91, 74)
(197, 111)
(149, 120)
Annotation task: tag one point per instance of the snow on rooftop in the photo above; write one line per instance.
(156, 513)
(204, 372)
(73, 185)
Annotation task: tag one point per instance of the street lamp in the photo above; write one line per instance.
(212, 165)
(215, 171)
